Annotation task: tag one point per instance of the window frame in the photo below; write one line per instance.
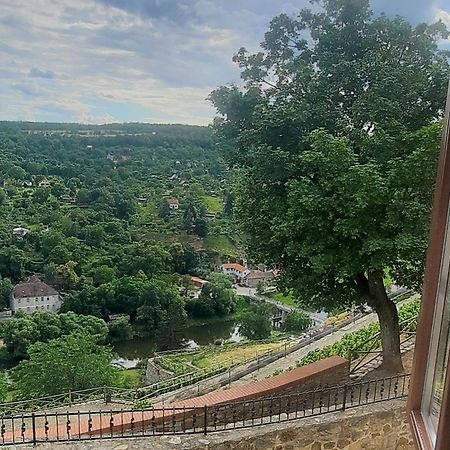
(425, 345)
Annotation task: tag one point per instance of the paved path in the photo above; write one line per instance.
(291, 359)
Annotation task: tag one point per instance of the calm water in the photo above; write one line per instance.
(130, 352)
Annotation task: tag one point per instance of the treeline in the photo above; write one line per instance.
(93, 204)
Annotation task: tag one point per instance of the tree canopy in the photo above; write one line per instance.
(335, 139)
(72, 362)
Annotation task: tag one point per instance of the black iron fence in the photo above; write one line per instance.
(192, 418)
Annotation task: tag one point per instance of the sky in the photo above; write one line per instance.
(102, 61)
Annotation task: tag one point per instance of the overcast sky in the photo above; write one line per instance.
(98, 61)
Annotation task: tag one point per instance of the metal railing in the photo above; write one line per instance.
(90, 425)
(111, 394)
(359, 359)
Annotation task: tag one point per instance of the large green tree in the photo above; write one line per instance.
(335, 139)
(72, 362)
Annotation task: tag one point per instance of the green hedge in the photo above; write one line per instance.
(358, 339)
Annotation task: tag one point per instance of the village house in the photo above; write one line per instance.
(20, 232)
(34, 295)
(198, 282)
(44, 183)
(237, 271)
(173, 203)
(259, 276)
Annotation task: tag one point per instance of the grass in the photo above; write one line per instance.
(210, 357)
(286, 299)
(221, 244)
(213, 205)
(227, 358)
(131, 378)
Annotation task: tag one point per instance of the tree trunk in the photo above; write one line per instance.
(388, 318)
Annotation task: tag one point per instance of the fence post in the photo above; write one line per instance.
(33, 425)
(344, 400)
(205, 421)
(106, 394)
(285, 349)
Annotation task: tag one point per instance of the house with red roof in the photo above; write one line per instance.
(237, 271)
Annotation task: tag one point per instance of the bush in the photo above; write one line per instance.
(297, 321)
(256, 322)
(361, 339)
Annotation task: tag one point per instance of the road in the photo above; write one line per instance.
(291, 359)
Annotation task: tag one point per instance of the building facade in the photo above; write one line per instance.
(34, 295)
(237, 271)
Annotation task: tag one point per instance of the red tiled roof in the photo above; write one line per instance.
(172, 201)
(234, 266)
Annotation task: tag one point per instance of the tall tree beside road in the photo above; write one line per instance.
(335, 139)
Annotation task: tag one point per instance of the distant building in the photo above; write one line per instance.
(27, 183)
(34, 295)
(237, 271)
(259, 276)
(88, 147)
(44, 183)
(173, 203)
(20, 232)
(198, 282)
(142, 201)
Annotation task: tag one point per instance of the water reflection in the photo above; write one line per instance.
(131, 352)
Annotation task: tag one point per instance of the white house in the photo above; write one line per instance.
(44, 183)
(34, 295)
(237, 271)
(173, 203)
(20, 232)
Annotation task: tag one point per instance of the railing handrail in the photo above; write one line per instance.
(178, 419)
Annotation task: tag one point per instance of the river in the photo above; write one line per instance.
(132, 351)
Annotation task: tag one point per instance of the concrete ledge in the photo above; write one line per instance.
(333, 370)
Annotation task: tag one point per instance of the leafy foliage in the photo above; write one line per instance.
(216, 299)
(72, 362)
(362, 340)
(297, 321)
(335, 138)
(256, 323)
(22, 330)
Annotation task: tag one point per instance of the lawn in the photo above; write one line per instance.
(213, 205)
(132, 378)
(286, 299)
(221, 244)
(237, 354)
(210, 357)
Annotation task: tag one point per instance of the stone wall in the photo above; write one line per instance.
(380, 426)
(155, 374)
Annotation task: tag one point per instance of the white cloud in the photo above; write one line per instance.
(96, 60)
